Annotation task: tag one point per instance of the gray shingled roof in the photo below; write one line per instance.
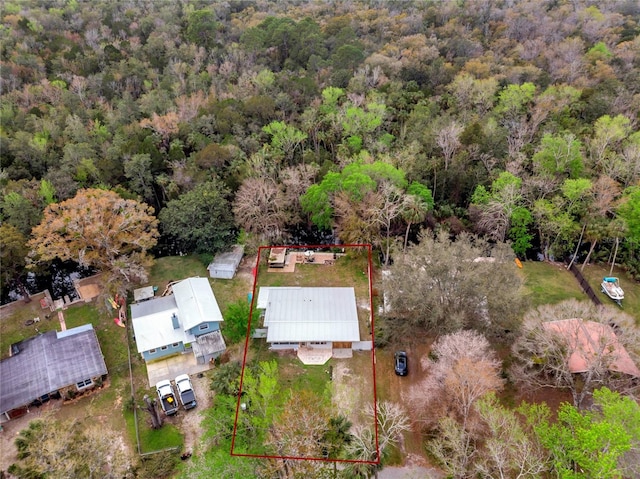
(48, 362)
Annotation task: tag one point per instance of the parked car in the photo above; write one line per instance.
(185, 391)
(167, 397)
(401, 363)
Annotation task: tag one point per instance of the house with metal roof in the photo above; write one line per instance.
(187, 320)
(298, 318)
(51, 364)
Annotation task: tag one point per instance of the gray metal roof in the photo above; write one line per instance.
(48, 362)
(192, 302)
(153, 306)
(228, 260)
(209, 343)
(196, 302)
(311, 314)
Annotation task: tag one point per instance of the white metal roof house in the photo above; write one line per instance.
(187, 319)
(54, 363)
(317, 318)
(224, 265)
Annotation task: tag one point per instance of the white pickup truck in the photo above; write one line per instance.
(167, 397)
(185, 390)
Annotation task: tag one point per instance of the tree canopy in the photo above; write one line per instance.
(442, 284)
(97, 228)
(200, 219)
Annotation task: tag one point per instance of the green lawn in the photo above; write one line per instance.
(152, 440)
(349, 270)
(174, 268)
(549, 283)
(631, 302)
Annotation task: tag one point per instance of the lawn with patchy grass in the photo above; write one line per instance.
(13, 318)
(175, 268)
(348, 270)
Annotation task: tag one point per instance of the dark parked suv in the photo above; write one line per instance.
(402, 366)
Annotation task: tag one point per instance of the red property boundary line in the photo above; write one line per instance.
(373, 356)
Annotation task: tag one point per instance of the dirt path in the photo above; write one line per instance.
(191, 421)
(11, 429)
(353, 387)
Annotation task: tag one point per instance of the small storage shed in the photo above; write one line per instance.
(224, 265)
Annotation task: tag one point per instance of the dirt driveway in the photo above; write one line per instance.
(352, 382)
(190, 421)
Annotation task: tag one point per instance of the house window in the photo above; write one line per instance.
(318, 342)
(204, 327)
(164, 348)
(84, 384)
(152, 351)
(175, 345)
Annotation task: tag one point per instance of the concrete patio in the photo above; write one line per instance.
(174, 366)
(314, 356)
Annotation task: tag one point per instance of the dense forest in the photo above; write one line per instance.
(370, 120)
(438, 131)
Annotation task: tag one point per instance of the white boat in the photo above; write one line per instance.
(611, 287)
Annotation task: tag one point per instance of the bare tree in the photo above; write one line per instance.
(453, 448)
(508, 449)
(574, 355)
(448, 139)
(296, 180)
(385, 211)
(355, 219)
(500, 448)
(465, 368)
(494, 220)
(260, 207)
(297, 433)
(392, 421)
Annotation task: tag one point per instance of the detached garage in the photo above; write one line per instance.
(224, 265)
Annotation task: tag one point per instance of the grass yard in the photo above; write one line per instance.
(174, 268)
(549, 283)
(151, 440)
(349, 270)
(594, 273)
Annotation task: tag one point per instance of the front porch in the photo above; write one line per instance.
(315, 356)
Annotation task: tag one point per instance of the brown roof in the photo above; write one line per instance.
(585, 338)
